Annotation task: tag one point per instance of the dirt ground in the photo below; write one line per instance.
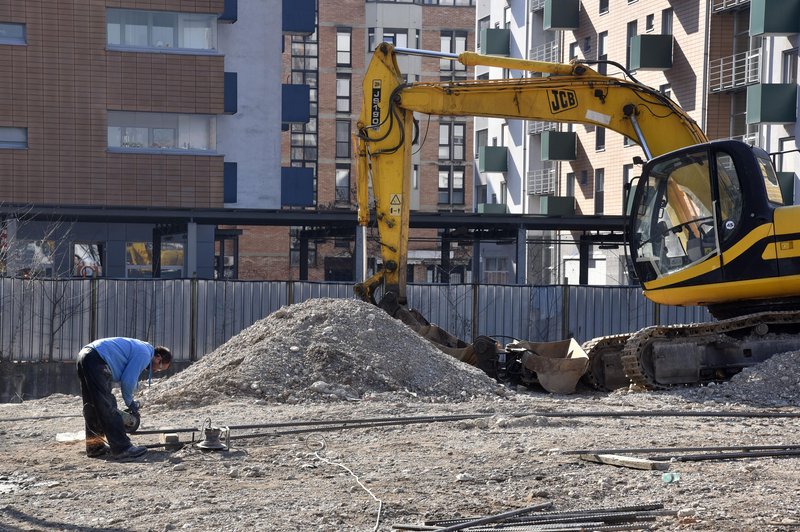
(397, 475)
(453, 443)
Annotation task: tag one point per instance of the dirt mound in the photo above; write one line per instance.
(329, 349)
(774, 382)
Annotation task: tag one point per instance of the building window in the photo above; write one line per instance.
(599, 184)
(342, 139)
(666, 22)
(483, 24)
(627, 175)
(342, 93)
(632, 31)
(789, 66)
(397, 37)
(342, 184)
(87, 259)
(649, 23)
(587, 46)
(599, 138)
(294, 248)
(451, 185)
(139, 259)
(415, 177)
(11, 33)
(602, 51)
(13, 137)
(603, 6)
(169, 132)
(573, 51)
(451, 141)
(453, 42)
(343, 47)
(370, 40)
(571, 184)
(160, 30)
(495, 270)
(481, 140)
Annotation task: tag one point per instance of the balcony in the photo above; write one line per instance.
(718, 6)
(559, 146)
(297, 187)
(495, 41)
(492, 208)
(295, 103)
(537, 5)
(772, 103)
(542, 181)
(561, 15)
(734, 71)
(549, 51)
(557, 205)
(299, 17)
(537, 127)
(774, 17)
(493, 159)
(651, 52)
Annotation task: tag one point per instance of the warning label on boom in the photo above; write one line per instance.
(395, 204)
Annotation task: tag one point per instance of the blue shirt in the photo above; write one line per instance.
(127, 358)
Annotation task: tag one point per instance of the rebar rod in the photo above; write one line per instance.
(645, 450)
(497, 517)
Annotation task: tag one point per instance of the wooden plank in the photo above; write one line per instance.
(625, 461)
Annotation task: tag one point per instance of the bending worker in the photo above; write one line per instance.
(100, 364)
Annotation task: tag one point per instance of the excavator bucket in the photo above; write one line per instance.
(558, 366)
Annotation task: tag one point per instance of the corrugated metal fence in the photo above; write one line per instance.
(50, 320)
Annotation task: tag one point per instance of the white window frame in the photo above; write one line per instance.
(181, 18)
(148, 125)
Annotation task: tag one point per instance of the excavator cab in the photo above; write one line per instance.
(700, 220)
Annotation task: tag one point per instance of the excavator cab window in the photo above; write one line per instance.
(674, 222)
(770, 179)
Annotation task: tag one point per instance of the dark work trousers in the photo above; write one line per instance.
(99, 404)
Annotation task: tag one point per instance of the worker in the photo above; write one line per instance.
(100, 364)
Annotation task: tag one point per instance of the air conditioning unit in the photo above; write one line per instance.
(227, 261)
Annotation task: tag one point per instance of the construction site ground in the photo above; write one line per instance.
(511, 450)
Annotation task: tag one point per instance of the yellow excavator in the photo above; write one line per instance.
(707, 224)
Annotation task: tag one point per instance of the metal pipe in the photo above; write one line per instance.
(460, 417)
(640, 135)
(724, 456)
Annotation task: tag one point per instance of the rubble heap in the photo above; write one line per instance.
(324, 349)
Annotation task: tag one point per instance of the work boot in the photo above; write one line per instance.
(130, 453)
(96, 451)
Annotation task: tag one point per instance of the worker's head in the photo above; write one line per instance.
(161, 358)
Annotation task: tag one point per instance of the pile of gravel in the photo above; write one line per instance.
(324, 349)
(772, 383)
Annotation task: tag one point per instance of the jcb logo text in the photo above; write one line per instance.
(562, 99)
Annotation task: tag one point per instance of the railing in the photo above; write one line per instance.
(734, 71)
(542, 181)
(537, 5)
(537, 127)
(549, 51)
(723, 5)
(50, 320)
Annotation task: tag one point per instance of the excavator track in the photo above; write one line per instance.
(605, 366)
(664, 356)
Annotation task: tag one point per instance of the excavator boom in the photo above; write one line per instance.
(707, 225)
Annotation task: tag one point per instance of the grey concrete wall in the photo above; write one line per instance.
(251, 137)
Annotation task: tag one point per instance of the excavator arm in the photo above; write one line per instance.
(570, 93)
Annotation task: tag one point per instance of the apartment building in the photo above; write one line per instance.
(333, 62)
(131, 115)
(730, 64)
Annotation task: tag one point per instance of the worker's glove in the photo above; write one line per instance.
(133, 408)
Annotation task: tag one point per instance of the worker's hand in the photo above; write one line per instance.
(133, 408)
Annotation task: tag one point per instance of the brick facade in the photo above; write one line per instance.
(62, 83)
